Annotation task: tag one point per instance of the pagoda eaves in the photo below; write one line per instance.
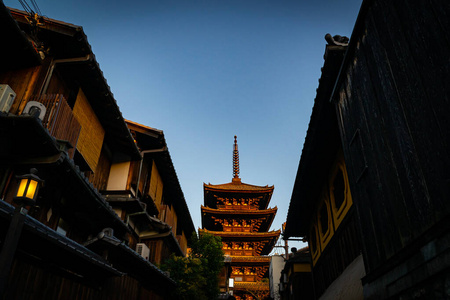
(238, 186)
(238, 213)
(221, 195)
(237, 220)
(235, 243)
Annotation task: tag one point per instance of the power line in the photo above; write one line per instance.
(26, 7)
(31, 9)
(36, 7)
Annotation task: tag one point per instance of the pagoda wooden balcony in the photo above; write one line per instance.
(59, 119)
(236, 207)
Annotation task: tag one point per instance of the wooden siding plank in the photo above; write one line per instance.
(22, 82)
(418, 113)
(100, 177)
(428, 46)
(441, 14)
(352, 117)
(399, 144)
(416, 47)
(92, 133)
(388, 142)
(394, 122)
(59, 119)
(343, 250)
(386, 197)
(156, 186)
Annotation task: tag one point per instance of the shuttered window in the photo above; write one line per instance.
(91, 137)
(156, 186)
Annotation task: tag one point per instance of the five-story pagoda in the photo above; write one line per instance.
(239, 214)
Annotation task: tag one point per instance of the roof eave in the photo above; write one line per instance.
(293, 229)
(315, 156)
(164, 163)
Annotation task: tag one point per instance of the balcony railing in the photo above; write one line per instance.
(60, 120)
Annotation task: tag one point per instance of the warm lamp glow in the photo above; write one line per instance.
(32, 189)
(28, 188)
(22, 187)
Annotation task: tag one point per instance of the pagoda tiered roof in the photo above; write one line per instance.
(256, 271)
(238, 186)
(238, 213)
(260, 288)
(251, 259)
(213, 218)
(237, 190)
(265, 240)
(252, 286)
(249, 235)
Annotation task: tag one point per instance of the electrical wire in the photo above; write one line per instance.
(31, 9)
(26, 7)
(36, 7)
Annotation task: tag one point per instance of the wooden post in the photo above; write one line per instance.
(286, 248)
(10, 245)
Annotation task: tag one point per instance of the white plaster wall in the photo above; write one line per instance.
(276, 266)
(118, 176)
(348, 286)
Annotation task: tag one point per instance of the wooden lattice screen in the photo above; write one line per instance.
(60, 120)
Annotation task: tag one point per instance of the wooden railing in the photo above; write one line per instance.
(59, 119)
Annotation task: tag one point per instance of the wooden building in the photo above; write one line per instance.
(372, 187)
(85, 237)
(160, 193)
(239, 214)
(296, 280)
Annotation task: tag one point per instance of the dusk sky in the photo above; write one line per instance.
(204, 71)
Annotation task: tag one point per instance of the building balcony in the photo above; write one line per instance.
(59, 119)
(35, 135)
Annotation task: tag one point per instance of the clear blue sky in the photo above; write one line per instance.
(204, 71)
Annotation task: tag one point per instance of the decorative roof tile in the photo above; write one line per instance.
(253, 213)
(251, 235)
(238, 186)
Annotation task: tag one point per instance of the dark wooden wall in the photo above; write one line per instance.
(393, 108)
(23, 83)
(343, 248)
(36, 282)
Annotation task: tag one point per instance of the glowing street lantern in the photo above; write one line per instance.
(28, 188)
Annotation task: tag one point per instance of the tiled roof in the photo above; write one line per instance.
(258, 285)
(243, 234)
(61, 242)
(69, 41)
(251, 258)
(149, 139)
(238, 186)
(258, 212)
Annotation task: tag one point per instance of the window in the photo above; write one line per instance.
(340, 196)
(156, 186)
(314, 242)
(334, 204)
(324, 220)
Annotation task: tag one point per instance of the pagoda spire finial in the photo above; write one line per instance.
(235, 161)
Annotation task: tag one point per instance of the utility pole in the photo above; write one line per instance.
(286, 249)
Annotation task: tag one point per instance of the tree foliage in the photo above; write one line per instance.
(197, 275)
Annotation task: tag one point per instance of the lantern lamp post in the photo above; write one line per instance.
(27, 189)
(26, 195)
